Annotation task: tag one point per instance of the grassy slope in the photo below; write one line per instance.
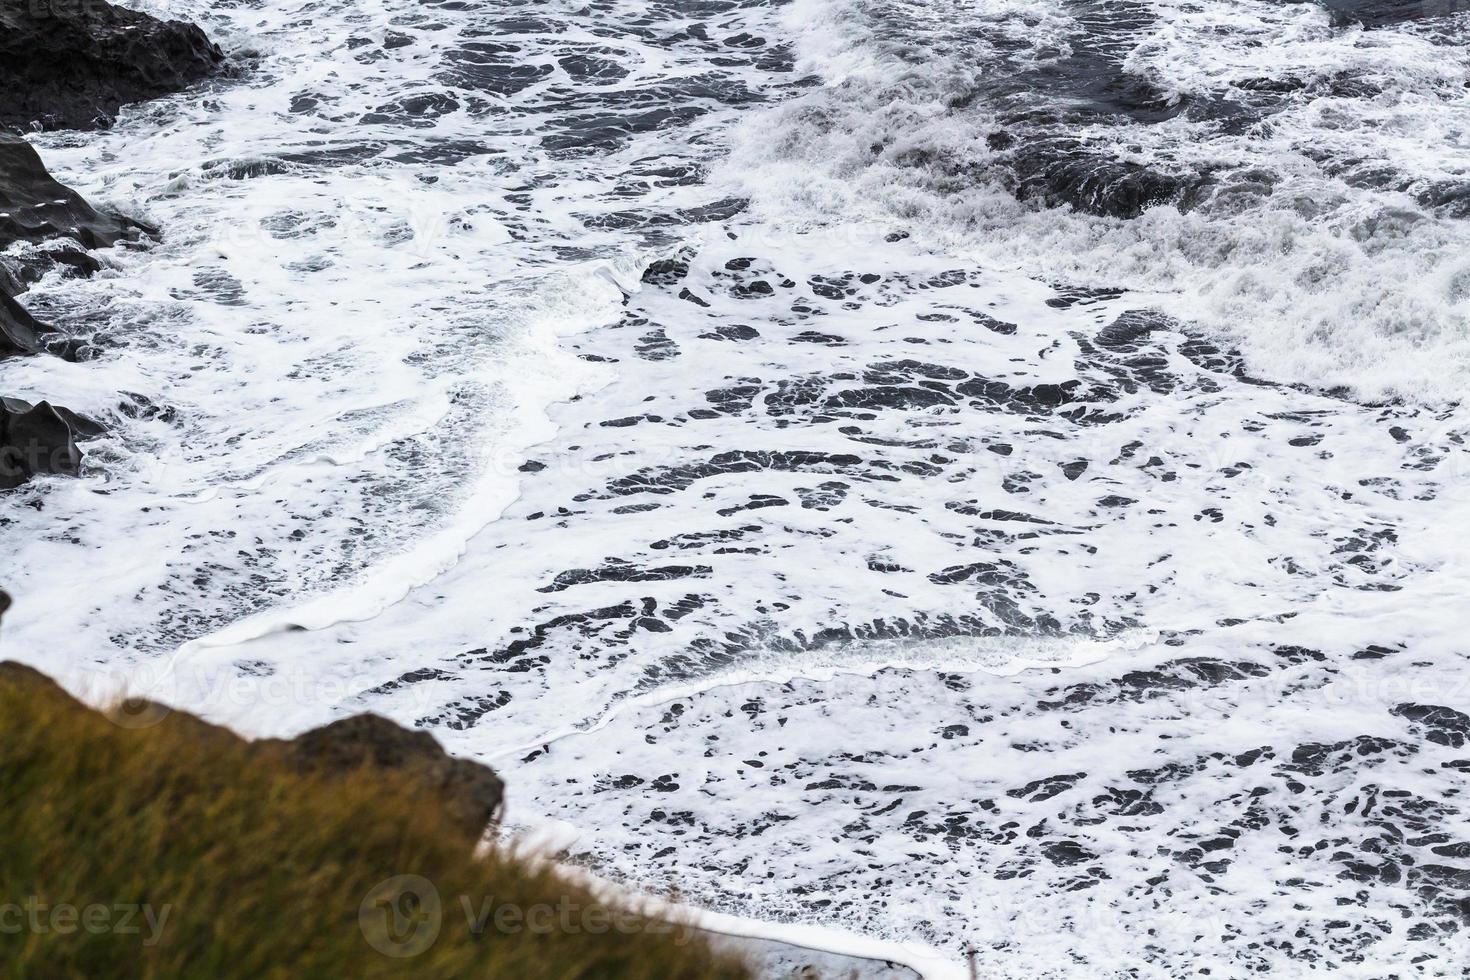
(264, 870)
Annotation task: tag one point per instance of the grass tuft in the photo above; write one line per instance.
(236, 865)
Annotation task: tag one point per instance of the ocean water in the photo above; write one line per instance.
(969, 475)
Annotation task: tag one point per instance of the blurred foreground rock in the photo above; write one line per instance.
(472, 793)
(469, 793)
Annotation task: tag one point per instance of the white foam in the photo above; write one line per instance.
(365, 352)
(1327, 280)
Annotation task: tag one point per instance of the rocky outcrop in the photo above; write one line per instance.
(73, 63)
(1061, 172)
(472, 793)
(35, 207)
(40, 439)
(20, 333)
(36, 438)
(67, 63)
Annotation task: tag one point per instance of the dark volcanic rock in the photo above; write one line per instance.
(67, 63)
(472, 793)
(1383, 13)
(1057, 173)
(1446, 726)
(74, 63)
(39, 439)
(34, 207)
(20, 333)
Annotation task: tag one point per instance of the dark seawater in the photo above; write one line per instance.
(967, 474)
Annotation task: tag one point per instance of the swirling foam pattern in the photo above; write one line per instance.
(984, 474)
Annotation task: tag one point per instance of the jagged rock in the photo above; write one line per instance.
(1058, 173)
(34, 207)
(68, 64)
(20, 333)
(1381, 13)
(40, 439)
(1442, 725)
(11, 282)
(21, 267)
(472, 793)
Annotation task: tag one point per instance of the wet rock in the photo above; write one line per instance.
(817, 337)
(896, 397)
(624, 572)
(21, 267)
(1074, 469)
(20, 333)
(1070, 296)
(73, 65)
(1058, 173)
(1383, 13)
(34, 207)
(1132, 330)
(1188, 673)
(1066, 852)
(1373, 652)
(1316, 758)
(670, 479)
(656, 345)
(1044, 789)
(756, 502)
(1037, 399)
(734, 332)
(1441, 725)
(666, 272)
(472, 793)
(40, 440)
(823, 497)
